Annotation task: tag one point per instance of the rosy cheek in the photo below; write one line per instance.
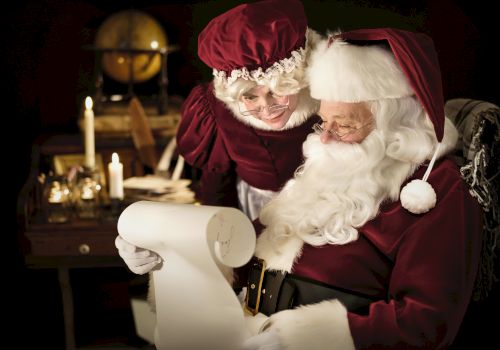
(354, 138)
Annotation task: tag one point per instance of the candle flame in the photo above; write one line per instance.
(114, 158)
(154, 44)
(88, 102)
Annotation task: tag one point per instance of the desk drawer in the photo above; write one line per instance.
(72, 245)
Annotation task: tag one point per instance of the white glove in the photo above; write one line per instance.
(267, 340)
(138, 260)
(242, 296)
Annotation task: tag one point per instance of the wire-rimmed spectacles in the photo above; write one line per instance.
(257, 110)
(319, 129)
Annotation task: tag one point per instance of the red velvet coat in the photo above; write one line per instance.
(424, 265)
(211, 138)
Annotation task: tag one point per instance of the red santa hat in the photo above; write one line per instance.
(254, 41)
(348, 67)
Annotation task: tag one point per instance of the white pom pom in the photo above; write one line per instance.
(418, 197)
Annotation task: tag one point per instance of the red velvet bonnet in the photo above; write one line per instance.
(251, 38)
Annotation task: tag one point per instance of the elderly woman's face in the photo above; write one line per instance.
(274, 110)
(346, 122)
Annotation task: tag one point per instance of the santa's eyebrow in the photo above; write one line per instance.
(339, 116)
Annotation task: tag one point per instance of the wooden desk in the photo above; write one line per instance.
(67, 246)
(79, 243)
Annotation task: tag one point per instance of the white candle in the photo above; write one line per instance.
(89, 134)
(115, 169)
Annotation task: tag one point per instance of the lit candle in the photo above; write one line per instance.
(89, 134)
(115, 169)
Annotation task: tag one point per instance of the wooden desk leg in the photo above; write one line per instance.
(68, 308)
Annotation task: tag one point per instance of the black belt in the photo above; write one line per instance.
(272, 291)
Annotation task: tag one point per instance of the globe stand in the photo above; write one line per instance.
(101, 98)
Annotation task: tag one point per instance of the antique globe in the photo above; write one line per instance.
(126, 31)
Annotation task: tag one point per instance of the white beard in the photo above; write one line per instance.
(340, 186)
(337, 190)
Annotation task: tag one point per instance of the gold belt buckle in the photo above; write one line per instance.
(262, 266)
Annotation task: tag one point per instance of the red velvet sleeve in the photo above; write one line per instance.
(200, 143)
(197, 128)
(435, 264)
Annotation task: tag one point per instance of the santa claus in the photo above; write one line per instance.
(375, 242)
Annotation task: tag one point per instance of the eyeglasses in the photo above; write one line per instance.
(341, 132)
(255, 109)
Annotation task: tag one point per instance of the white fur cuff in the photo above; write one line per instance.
(314, 327)
(254, 324)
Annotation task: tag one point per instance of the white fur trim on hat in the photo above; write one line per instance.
(350, 73)
(316, 326)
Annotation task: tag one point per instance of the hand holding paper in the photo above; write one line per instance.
(138, 260)
(196, 307)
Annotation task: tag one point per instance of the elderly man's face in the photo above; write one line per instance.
(346, 122)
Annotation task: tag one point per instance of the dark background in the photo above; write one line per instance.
(46, 73)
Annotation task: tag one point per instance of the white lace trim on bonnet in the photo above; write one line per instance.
(286, 65)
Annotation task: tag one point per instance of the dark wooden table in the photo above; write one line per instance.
(78, 243)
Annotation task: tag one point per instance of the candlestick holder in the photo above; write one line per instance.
(116, 207)
(87, 194)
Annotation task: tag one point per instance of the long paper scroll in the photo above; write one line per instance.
(196, 307)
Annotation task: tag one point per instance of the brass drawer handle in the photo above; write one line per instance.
(84, 249)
